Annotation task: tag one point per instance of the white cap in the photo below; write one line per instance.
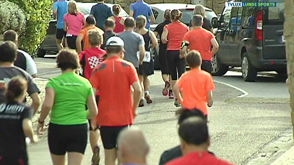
(115, 41)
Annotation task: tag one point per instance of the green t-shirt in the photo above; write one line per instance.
(71, 93)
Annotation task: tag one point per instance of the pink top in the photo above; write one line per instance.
(118, 26)
(74, 23)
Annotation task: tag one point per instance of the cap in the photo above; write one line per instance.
(115, 41)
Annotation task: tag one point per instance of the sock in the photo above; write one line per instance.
(146, 92)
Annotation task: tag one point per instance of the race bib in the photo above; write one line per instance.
(147, 56)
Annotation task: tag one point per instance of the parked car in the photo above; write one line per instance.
(186, 9)
(250, 38)
(49, 43)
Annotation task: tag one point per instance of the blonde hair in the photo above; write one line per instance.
(95, 38)
(141, 22)
(199, 9)
(175, 15)
(72, 8)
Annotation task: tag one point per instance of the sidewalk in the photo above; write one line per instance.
(286, 159)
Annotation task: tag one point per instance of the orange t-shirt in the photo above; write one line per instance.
(84, 32)
(194, 86)
(200, 39)
(113, 79)
(176, 32)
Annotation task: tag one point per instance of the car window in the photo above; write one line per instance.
(248, 18)
(187, 16)
(209, 14)
(155, 13)
(277, 13)
(226, 16)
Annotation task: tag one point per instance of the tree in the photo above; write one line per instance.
(289, 37)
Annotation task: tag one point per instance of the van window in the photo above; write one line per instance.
(276, 13)
(248, 18)
(155, 13)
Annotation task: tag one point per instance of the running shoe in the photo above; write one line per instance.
(148, 99)
(177, 103)
(141, 103)
(96, 156)
(165, 89)
(170, 94)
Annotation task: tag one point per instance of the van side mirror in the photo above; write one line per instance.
(214, 22)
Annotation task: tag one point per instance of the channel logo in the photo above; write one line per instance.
(251, 4)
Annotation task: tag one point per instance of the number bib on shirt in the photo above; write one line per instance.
(147, 56)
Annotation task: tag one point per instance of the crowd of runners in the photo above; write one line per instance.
(106, 64)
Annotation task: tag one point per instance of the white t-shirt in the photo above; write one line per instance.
(31, 65)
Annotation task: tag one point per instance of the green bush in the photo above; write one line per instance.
(38, 15)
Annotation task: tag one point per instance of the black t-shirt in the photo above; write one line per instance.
(206, 24)
(159, 30)
(106, 36)
(21, 61)
(12, 138)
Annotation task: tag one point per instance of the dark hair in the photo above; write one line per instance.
(109, 23)
(91, 20)
(140, 22)
(8, 51)
(129, 22)
(175, 14)
(167, 14)
(67, 59)
(10, 35)
(194, 130)
(15, 88)
(116, 9)
(113, 49)
(186, 113)
(197, 20)
(193, 59)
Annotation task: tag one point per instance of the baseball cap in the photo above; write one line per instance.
(115, 41)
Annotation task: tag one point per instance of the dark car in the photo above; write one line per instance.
(250, 38)
(49, 43)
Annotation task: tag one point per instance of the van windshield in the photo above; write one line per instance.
(276, 13)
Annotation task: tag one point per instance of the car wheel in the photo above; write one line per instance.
(218, 69)
(41, 52)
(249, 73)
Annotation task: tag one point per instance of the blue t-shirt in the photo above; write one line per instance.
(142, 8)
(61, 7)
(101, 12)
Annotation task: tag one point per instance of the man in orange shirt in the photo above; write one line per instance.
(201, 40)
(196, 85)
(83, 36)
(114, 79)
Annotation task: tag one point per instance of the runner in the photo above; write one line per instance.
(83, 35)
(200, 10)
(141, 8)
(147, 68)
(15, 124)
(59, 10)
(173, 35)
(66, 96)
(162, 53)
(120, 92)
(101, 12)
(108, 26)
(119, 21)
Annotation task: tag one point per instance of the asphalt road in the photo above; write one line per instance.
(245, 118)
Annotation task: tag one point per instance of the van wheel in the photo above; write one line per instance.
(41, 52)
(218, 69)
(249, 73)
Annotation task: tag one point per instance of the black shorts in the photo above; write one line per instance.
(60, 33)
(176, 65)
(206, 66)
(109, 136)
(14, 159)
(67, 138)
(71, 42)
(163, 61)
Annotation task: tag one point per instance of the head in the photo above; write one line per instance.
(90, 20)
(186, 113)
(10, 35)
(67, 59)
(193, 59)
(109, 24)
(72, 7)
(8, 51)
(133, 147)
(16, 90)
(100, 0)
(141, 22)
(116, 9)
(175, 15)
(95, 38)
(115, 47)
(167, 14)
(129, 23)
(194, 135)
(197, 20)
(199, 9)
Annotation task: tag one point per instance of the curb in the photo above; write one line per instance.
(286, 159)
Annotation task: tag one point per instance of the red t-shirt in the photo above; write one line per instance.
(198, 158)
(118, 26)
(194, 86)
(200, 39)
(176, 32)
(113, 79)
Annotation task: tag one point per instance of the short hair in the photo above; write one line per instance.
(167, 14)
(199, 9)
(10, 35)
(176, 14)
(194, 130)
(8, 51)
(129, 22)
(193, 59)
(197, 20)
(109, 23)
(94, 37)
(91, 20)
(15, 88)
(114, 49)
(141, 22)
(67, 59)
(116, 9)
(186, 113)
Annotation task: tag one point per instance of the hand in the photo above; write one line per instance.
(210, 103)
(35, 139)
(40, 129)
(141, 62)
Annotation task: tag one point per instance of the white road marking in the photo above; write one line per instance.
(232, 86)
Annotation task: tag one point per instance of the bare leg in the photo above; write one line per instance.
(59, 44)
(110, 156)
(141, 103)
(75, 158)
(165, 77)
(58, 159)
(94, 138)
(146, 83)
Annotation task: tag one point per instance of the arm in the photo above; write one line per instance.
(92, 106)
(35, 101)
(54, 14)
(79, 43)
(65, 26)
(136, 95)
(152, 19)
(164, 36)
(153, 39)
(27, 127)
(131, 13)
(142, 53)
(46, 108)
(215, 46)
(177, 93)
(209, 99)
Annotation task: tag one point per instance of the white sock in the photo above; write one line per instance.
(146, 92)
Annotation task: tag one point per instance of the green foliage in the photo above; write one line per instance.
(38, 15)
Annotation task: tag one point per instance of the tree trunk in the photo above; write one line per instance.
(289, 37)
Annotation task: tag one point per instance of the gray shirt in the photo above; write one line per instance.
(132, 42)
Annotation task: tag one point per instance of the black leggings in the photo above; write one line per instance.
(71, 42)
(176, 65)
